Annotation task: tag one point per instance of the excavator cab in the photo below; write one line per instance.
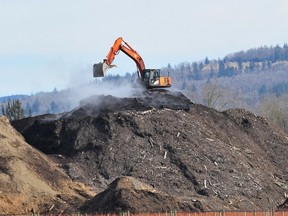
(152, 79)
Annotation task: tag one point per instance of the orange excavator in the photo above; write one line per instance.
(150, 78)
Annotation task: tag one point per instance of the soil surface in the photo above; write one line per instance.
(30, 181)
(284, 206)
(194, 157)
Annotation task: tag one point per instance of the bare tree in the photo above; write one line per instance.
(191, 92)
(214, 96)
(275, 110)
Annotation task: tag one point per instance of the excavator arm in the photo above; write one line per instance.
(119, 44)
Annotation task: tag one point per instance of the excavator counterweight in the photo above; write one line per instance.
(150, 78)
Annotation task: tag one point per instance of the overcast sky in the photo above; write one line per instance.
(54, 43)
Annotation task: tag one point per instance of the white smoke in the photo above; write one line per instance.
(83, 85)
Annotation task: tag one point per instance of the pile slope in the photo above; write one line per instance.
(230, 160)
(129, 194)
(30, 181)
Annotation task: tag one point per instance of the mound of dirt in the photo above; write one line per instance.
(52, 136)
(30, 181)
(230, 160)
(127, 193)
(284, 205)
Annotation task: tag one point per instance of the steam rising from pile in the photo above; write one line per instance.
(81, 87)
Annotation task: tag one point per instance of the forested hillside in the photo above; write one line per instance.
(255, 79)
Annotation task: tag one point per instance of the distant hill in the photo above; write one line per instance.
(261, 54)
(12, 97)
(256, 80)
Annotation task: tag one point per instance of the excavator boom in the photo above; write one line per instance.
(100, 68)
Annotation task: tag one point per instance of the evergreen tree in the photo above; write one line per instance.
(221, 70)
(277, 53)
(240, 65)
(285, 47)
(36, 106)
(196, 71)
(201, 65)
(8, 109)
(169, 66)
(28, 111)
(3, 110)
(13, 110)
(264, 65)
(18, 109)
(252, 65)
(229, 71)
(195, 67)
(269, 64)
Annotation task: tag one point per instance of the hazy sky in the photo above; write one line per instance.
(54, 43)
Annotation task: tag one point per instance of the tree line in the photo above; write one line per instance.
(261, 54)
(250, 61)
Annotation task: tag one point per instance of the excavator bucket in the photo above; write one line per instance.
(98, 70)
